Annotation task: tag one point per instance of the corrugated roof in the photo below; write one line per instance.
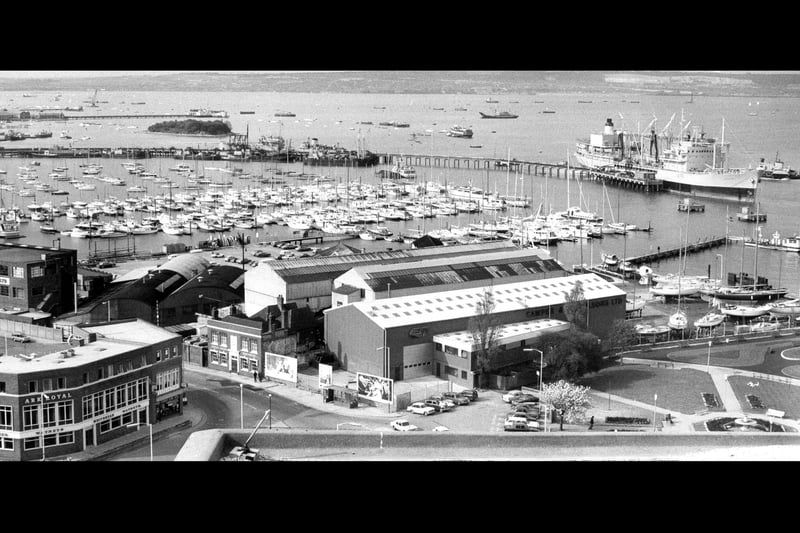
(319, 268)
(451, 273)
(187, 265)
(460, 303)
(222, 276)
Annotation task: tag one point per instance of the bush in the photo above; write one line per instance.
(627, 420)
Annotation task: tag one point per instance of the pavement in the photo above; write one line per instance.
(681, 422)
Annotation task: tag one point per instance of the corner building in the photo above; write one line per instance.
(89, 391)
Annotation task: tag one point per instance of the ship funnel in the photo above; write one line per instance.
(609, 127)
(654, 143)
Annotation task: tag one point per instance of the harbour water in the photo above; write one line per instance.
(546, 137)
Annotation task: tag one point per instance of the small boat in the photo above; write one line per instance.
(367, 236)
(460, 131)
(48, 229)
(285, 114)
(501, 114)
(678, 320)
(9, 230)
(749, 294)
(787, 308)
(709, 320)
(744, 311)
(764, 326)
(610, 260)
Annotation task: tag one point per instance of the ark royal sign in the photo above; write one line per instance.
(51, 397)
(5, 281)
(417, 332)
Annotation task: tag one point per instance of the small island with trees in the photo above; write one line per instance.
(192, 127)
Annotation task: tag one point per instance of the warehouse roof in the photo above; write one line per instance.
(463, 269)
(461, 303)
(319, 268)
(506, 333)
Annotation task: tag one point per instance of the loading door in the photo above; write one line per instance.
(418, 360)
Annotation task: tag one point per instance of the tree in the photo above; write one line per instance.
(242, 240)
(622, 335)
(573, 399)
(575, 306)
(571, 354)
(485, 332)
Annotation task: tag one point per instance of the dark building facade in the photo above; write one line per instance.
(37, 277)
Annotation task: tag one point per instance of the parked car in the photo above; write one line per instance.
(528, 408)
(419, 408)
(261, 253)
(403, 425)
(456, 398)
(20, 337)
(437, 405)
(440, 428)
(510, 395)
(472, 394)
(450, 403)
(524, 398)
(106, 264)
(520, 424)
(527, 415)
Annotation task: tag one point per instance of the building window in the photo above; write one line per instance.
(18, 272)
(64, 413)
(37, 271)
(2, 386)
(175, 351)
(87, 407)
(85, 378)
(158, 355)
(61, 383)
(223, 339)
(37, 291)
(215, 337)
(30, 417)
(6, 422)
(6, 443)
(244, 364)
(49, 415)
(66, 438)
(463, 374)
(214, 356)
(3, 270)
(3, 290)
(19, 293)
(100, 373)
(31, 386)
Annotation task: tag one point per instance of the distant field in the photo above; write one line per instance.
(677, 390)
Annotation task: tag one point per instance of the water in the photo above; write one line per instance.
(335, 119)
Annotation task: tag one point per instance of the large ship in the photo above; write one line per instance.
(689, 163)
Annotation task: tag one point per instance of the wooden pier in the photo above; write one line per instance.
(699, 246)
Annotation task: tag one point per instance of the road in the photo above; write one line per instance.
(221, 402)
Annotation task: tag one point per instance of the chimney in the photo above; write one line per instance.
(280, 303)
(287, 321)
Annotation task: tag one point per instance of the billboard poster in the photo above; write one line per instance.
(374, 387)
(325, 375)
(281, 367)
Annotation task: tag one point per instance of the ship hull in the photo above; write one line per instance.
(740, 185)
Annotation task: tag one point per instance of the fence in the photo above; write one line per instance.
(7, 327)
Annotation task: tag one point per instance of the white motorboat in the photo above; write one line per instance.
(678, 320)
(787, 308)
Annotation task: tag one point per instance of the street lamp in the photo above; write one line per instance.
(655, 399)
(42, 398)
(150, 426)
(241, 404)
(270, 410)
(541, 364)
(708, 362)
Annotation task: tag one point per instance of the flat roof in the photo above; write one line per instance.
(460, 303)
(114, 338)
(507, 333)
(133, 331)
(29, 253)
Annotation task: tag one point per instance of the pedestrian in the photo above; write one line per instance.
(561, 420)
(255, 375)
(591, 422)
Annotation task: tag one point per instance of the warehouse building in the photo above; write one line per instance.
(374, 282)
(394, 337)
(309, 281)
